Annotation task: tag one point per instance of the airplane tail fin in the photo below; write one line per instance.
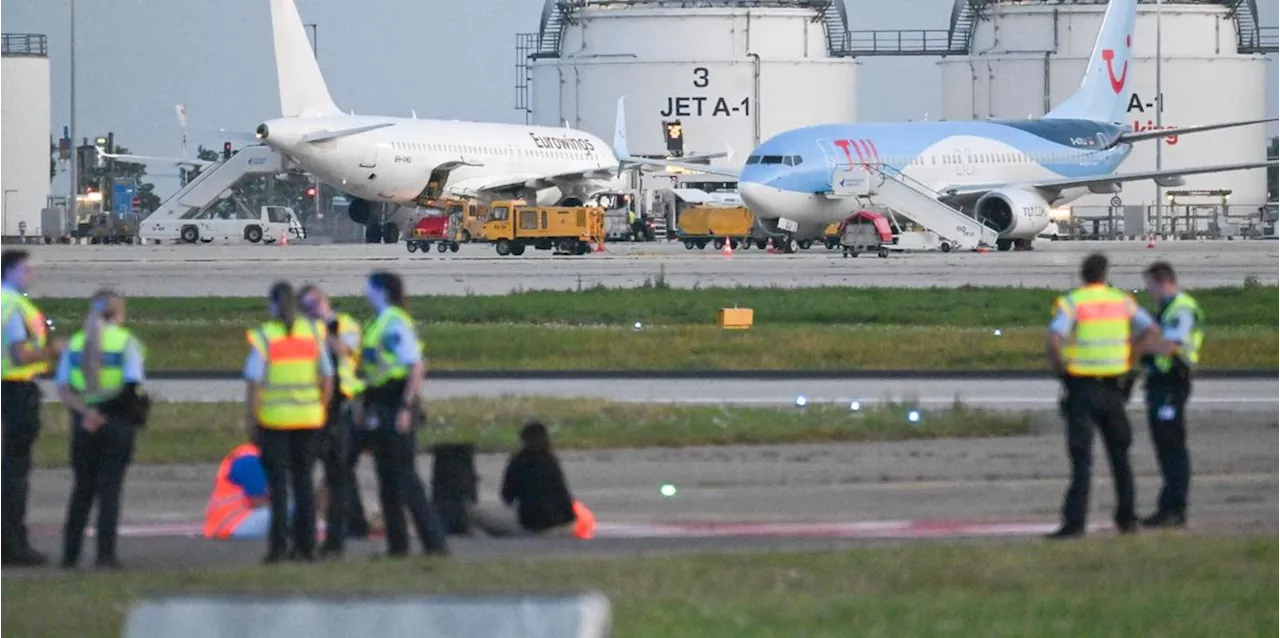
(1103, 93)
(620, 130)
(302, 88)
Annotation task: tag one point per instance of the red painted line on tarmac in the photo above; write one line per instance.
(905, 530)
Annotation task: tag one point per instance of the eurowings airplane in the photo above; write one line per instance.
(1004, 173)
(407, 160)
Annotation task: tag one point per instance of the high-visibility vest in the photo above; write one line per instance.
(115, 341)
(228, 505)
(378, 361)
(1189, 352)
(12, 301)
(291, 398)
(585, 526)
(1098, 345)
(349, 384)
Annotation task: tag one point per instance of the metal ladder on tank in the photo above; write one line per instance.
(878, 183)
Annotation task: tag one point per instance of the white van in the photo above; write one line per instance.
(227, 223)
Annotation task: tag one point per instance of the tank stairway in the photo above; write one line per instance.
(208, 187)
(887, 186)
(1250, 37)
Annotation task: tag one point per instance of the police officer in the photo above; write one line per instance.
(1168, 387)
(339, 449)
(290, 378)
(1089, 347)
(27, 353)
(98, 378)
(393, 368)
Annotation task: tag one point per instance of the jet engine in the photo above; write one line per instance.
(359, 210)
(1014, 213)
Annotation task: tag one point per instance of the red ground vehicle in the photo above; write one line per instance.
(865, 231)
(440, 229)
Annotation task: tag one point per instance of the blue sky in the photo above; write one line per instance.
(136, 59)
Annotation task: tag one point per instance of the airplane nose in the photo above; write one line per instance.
(764, 201)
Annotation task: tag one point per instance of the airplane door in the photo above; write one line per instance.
(370, 158)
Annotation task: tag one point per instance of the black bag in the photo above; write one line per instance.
(132, 405)
(453, 484)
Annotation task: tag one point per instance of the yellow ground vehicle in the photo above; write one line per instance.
(512, 226)
(701, 225)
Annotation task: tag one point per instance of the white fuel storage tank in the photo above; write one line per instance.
(25, 120)
(1028, 56)
(732, 72)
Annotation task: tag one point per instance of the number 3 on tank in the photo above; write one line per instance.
(701, 77)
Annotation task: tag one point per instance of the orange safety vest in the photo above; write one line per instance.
(585, 526)
(228, 504)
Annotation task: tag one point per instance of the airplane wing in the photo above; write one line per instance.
(626, 162)
(1167, 177)
(144, 159)
(477, 185)
(1138, 136)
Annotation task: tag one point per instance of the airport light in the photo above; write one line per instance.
(667, 490)
(855, 405)
(913, 416)
(7, 194)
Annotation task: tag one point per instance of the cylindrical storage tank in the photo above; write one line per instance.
(731, 74)
(1029, 57)
(25, 128)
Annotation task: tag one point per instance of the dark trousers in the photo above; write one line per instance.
(99, 461)
(288, 458)
(360, 440)
(20, 419)
(1088, 403)
(399, 486)
(335, 440)
(1166, 414)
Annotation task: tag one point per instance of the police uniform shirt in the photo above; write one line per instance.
(15, 329)
(1064, 321)
(132, 365)
(402, 340)
(255, 365)
(1180, 325)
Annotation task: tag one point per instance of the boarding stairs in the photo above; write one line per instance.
(881, 184)
(217, 182)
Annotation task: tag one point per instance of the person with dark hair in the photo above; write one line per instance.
(534, 492)
(289, 379)
(393, 369)
(1090, 347)
(27, 353)
(340, 447)
(98, 378)
(1170, 365)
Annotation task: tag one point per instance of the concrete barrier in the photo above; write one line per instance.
(569, 616)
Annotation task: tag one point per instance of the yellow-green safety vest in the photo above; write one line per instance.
(1189, 352)
(291, 397)
(348, 382)
(12, 301)
(1098, 344)
(378, 362)
(115, 341)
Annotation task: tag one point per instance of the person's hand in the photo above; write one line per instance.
(92, 420)
(404, 420)
(56, 347)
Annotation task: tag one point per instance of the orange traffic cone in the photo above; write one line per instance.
(1151, 240)
(727, 249)
(600, 246)
(284, 238)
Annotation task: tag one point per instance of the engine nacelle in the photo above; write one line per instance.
(359, 210)
(1015, 214)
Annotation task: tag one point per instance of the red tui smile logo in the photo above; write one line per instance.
(1109, 56)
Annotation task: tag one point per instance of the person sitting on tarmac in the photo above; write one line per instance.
(239, 507)
(534, 484)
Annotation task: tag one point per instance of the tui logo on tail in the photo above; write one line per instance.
(1109, 55)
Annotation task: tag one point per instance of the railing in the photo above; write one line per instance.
(896, 42)
(36, 44)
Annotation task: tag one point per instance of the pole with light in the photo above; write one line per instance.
(75, 158)
(315, 45)
(7, 192)
(1159, 120)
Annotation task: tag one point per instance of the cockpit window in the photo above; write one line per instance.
(793, 160)
(754, 159)
(771, 159)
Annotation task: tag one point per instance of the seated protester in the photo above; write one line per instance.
(534, 485)
(239, 506)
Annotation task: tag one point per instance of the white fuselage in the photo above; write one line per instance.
(394, 164)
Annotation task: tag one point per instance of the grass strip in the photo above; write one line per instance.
(1146, 586)
(204, 432)
(969, 307)
(689, 347)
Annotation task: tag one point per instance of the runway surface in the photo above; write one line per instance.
(761, 497)
(1240, 395)
(247, 270)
